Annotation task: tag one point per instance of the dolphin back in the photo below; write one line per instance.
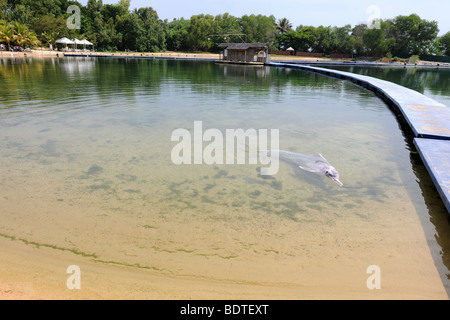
(309, 162)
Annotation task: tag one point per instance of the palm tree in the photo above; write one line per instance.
(31, 39)
(7, 34)
(283, 25)
(24, 36)
(49, 37)
(20, 32)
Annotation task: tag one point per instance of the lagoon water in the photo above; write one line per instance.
(86, 176)
(432, 82)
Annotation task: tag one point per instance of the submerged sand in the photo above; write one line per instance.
(107, 198)
(232, 253)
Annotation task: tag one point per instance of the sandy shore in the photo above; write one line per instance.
(204, 55)
(47, 53)
(168, 54)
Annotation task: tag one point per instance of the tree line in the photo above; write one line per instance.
(114, 27)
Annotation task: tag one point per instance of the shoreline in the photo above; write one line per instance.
(214, 56)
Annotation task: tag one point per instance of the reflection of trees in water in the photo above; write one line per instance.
(19, 77)
(436, 80)
(56, 79)
(53, 79)
(40, 79)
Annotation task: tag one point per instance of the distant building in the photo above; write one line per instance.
(244, 53)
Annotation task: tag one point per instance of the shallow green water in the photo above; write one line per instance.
(85, 153)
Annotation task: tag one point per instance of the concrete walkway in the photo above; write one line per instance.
(426, 117)
(435, 155)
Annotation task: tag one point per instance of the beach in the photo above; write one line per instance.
(201, 56)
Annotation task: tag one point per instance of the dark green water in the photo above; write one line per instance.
(86, 167)
(434, 83)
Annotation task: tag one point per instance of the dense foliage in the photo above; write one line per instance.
(114, 27)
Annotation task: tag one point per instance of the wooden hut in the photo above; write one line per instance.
(244, 53)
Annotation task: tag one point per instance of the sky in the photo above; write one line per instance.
(303, 12)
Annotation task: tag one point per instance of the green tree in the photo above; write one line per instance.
(226, 24)
(21, 14)
(414, 35)
(286, 40)
(357, 38)
(30, 40)
(24, 10)
(323, 42)
(177, 35)
(104, 35)
(342, 39)
(259, 28)
(3, 10)
(56, 27)
(20, 32)
(302, 39)
(114, 27)
(373, 41)
(49, 38)
(305, 38)
(129, 26)
(7, 33)
(151, 36)
(200, 27)
(115, 11)
(444, 42)
(224, 28)
(94, 6)
(377, 41)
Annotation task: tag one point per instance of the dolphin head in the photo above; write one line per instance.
(332, 173)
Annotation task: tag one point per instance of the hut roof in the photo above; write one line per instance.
(242, 46)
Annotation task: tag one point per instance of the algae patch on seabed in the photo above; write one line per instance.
(288, 210)
(126, 177)
(51, 246)
(275, 184)
(93, 170)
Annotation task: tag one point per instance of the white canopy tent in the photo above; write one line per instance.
(75, 42)
(64, 41)
(86, 43)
